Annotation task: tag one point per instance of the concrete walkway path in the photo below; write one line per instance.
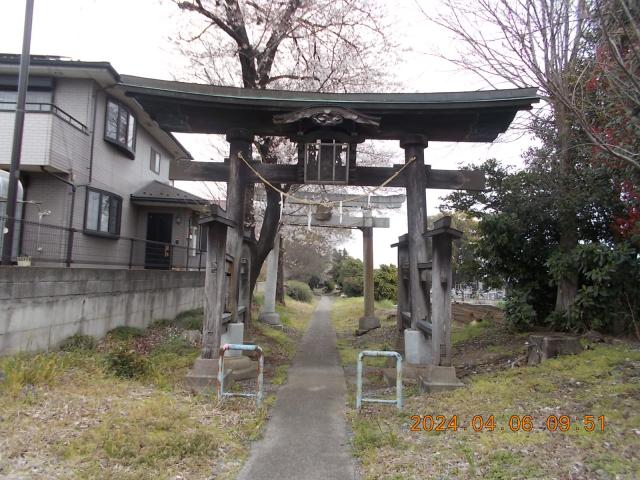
(306, 435)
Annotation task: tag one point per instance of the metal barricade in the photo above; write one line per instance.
(378, 353)
(220, 387)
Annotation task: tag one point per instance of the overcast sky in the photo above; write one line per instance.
(134, 36)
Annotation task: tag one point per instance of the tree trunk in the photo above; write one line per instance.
(280, 282)
(568, 284)
(268, 233)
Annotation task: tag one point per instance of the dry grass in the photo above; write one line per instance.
(602, 381)
(63, 415)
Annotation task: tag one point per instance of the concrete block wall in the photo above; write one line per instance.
(41, 306)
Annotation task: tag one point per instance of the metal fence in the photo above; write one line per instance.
(45, 244)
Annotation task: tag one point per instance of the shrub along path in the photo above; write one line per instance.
(306, 436)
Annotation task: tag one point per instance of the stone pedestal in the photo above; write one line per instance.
(268, 313)
(541, 347)
(234, 334)
(203, 377)
(417, 349)
(435, 378)
(430, 378)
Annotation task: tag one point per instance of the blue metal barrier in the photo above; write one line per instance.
(250, 348)
(377, 353)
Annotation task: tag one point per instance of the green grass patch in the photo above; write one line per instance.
(602, 381)
(280, 375)
(190, 320)
(27, 370)
(148, 438)
(469, 331)
(78, 342)
(344, 317)
(370, 435)
(124, 333)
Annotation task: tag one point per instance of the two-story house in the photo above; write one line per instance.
(95, 172)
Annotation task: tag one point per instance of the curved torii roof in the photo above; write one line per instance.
(477, 116)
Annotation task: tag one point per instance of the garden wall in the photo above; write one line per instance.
(41, 306)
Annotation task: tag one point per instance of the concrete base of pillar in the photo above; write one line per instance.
(241, 368)
(439, 379)
(202, 378)
(430, 378)
(417, 348)
(270, 318)
(234, 334)
(366, 324)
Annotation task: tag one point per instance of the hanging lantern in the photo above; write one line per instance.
(327, 138)
(326, 162)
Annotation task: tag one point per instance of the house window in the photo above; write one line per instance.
(120, 127)
(154, 164)
(202, 238)
(102, 213)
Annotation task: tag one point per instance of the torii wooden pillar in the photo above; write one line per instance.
(419, 282)
(239, 144)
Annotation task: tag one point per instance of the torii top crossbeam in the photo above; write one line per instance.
(180, 107)
(477, 116)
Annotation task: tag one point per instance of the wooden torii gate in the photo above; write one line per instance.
(327, 218)
(327, 129)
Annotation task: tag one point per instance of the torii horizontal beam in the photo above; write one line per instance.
(350, 200)
(337, 222)
(373, 201)
(363, 176)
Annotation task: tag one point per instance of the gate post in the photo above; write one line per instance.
(414, 146)
(239, 147)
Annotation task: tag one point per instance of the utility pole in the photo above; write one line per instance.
(14, 173)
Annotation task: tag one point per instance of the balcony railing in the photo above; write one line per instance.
(46, 244)
(47, 108)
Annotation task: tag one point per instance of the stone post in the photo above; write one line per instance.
(369, 320)
(268, 314)
(402, 290)
(442, 279)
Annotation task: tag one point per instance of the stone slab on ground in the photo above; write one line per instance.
(204, 374)
(436, 378)
(543, 346)
(430, 378)
(365, 324)
(306, 437)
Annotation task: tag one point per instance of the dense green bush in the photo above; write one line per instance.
(314, 281)
(329, 286)
(348, 268)
(125, 363)
(190, 320)
(299, 291)
(78, 342)
(607, 299)
(353, 286)
(385, 283)
(519, 310)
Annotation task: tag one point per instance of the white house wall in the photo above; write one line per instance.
(111, 170)
(36, 138)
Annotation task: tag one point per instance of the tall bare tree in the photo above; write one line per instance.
(524, 43)
(317, 45)
(547, 43)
